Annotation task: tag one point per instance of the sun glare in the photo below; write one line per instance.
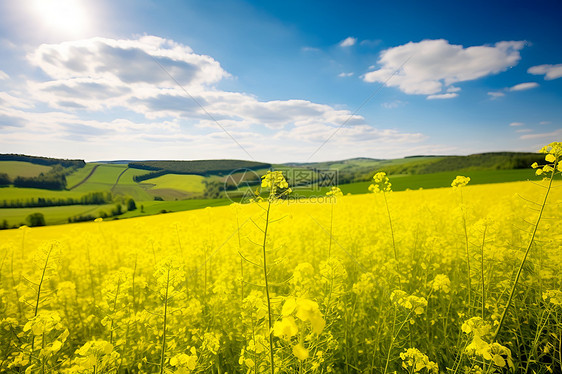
(67, 16)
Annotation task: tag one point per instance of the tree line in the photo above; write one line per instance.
(47, 161)
(91, 198)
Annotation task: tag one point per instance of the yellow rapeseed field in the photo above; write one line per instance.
(445, 280)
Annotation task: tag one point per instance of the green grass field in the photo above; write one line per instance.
(436, 180)
(127, 177)
(155, 207)
(103, 178)
(22, 169)
(55, 215)
(13, 193)
(79, 175)
(182, 182)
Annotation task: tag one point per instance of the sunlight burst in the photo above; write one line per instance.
(68, 16)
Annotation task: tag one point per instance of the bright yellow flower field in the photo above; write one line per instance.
(185, 293)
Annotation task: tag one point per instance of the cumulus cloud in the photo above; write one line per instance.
(524, 86)
(516, 124)
(343, 75)
(3, 75)
(171, 92)
(348, 42)
(549, 71)
(429, 67)
(128, 61)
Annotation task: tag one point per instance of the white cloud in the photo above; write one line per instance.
(549, 71)
(545, 123)
(3, 75)
(524, 130)
(431, 66)
(496, 94)
(128, 61)
(557, 134)
(515, 124)
(343, 75)
(449, 95)
(348, 42)
(93, 79)
(524, 86)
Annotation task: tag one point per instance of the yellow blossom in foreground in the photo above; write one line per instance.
(442, 283)
(382, 183)
(300, 352)
(414, 361)
(460, 181)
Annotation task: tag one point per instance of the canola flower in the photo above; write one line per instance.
(460, 181)
(414, 362)
(166, 293)
(381, 183)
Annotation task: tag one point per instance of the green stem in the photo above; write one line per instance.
(467, 252)
(162, 357)
(38, 297)
(392, 236)
(270, 324)
(331, 228)
(482, 272)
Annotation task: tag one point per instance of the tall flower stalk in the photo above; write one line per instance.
(459, 183)
(278, 187)
(334, 193)
(382, 185)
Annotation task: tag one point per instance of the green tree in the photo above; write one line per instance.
(131, 205)
(35, 219)
(4, 179)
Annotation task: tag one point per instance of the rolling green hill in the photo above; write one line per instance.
(182, 185)
(22, 169)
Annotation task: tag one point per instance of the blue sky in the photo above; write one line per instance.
(278, 81)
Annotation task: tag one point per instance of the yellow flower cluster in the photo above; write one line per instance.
(460, 181)
(553, 296)
(414, 361)
(305, 311)
(335, 192)
(184, 363)
(95, 355)
(442, 283)
(553, 159)
(494, 352)
(278, 186)
(411, 302)
(382, 183)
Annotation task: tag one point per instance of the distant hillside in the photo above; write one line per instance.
(47, 161)
(23, 171)
(479, 161)
(358, 169)
(199, 167)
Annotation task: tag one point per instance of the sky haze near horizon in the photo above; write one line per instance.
(278, 81)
